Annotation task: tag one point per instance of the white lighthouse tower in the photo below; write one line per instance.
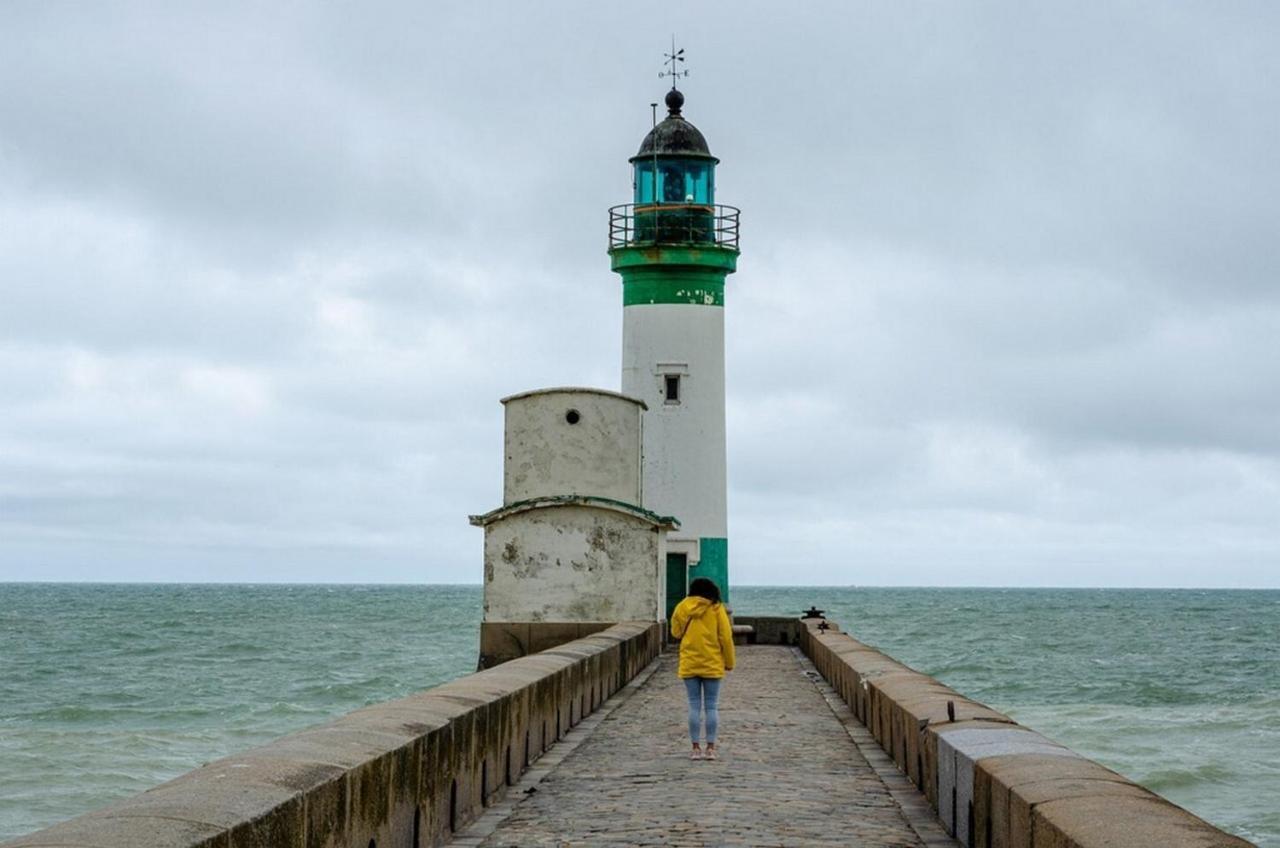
(674, 247)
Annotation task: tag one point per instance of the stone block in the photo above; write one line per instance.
(838, 674)
(443, 752)
(543, 698)
(506, 679)
(383, 794)
(911, 703)
(224, 794)
(612, 633)
(283, 827)
(257, 802)
(858, 665)
(929, 750)
(332, 767)
(125, 831)
(886, 690)
(516, 715)
(960, 747)
(771, 630)
(503, 641)
(1120, 819)
(849, 682)
(1006, 787)
(542, 665)
(545, 635)
(926, 707)
(396, 718)
(574, 651)
(327, 815)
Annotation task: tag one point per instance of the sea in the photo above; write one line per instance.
(106, 690)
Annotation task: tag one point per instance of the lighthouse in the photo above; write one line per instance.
(674, 247)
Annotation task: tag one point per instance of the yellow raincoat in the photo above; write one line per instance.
(706, 638)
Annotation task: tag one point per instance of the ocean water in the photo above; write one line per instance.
(106, 690)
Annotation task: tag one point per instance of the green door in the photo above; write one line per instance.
(677, 581)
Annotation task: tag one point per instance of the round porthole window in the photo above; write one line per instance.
(572, 416)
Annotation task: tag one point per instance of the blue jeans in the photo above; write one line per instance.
(704, 693)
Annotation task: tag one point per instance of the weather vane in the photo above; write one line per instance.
(674, 58)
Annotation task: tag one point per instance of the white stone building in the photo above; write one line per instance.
(572, 549)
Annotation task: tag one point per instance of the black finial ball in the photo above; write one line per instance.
(674, 101)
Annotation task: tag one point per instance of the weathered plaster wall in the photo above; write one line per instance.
(994, 783)
(549, 452)
(401, 774)
(573, 564)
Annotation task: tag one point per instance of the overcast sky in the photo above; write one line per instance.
(1007, 313)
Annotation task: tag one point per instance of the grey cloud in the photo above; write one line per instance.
(1005, 313)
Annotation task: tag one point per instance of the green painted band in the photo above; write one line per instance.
(648, 291)
(669, 258)
(682, 274)
(713, 563)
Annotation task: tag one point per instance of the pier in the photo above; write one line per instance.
(795, 768)
(825, 740)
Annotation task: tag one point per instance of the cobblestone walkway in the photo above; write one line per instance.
(789, 773)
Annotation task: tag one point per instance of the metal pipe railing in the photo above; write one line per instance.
(673, 223)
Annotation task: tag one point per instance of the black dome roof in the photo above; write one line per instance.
(675, 135)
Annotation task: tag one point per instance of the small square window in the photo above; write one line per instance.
(671, 388)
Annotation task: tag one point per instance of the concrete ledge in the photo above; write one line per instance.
(992, 782)
(770, 629)
(400, 774)
(503, 641)
(959, 747)
(1123, 819)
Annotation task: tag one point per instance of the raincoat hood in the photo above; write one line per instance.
(695, 606)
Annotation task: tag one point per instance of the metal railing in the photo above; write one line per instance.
(673, 223)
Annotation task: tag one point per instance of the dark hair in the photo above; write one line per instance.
(704, 588)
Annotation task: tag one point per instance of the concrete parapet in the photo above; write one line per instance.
(992, 782)
(1119, 819)
(1006, 788)
(400, 774)
(959, 747)
(771, 629)
(502, 641)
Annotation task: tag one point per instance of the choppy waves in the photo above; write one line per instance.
(108, 690)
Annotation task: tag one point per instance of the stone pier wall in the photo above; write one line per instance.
(993, 782)
(400, 774)
(771, 629)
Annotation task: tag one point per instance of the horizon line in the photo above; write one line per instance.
(740, 585)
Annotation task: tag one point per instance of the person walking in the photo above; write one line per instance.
(701, 623)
